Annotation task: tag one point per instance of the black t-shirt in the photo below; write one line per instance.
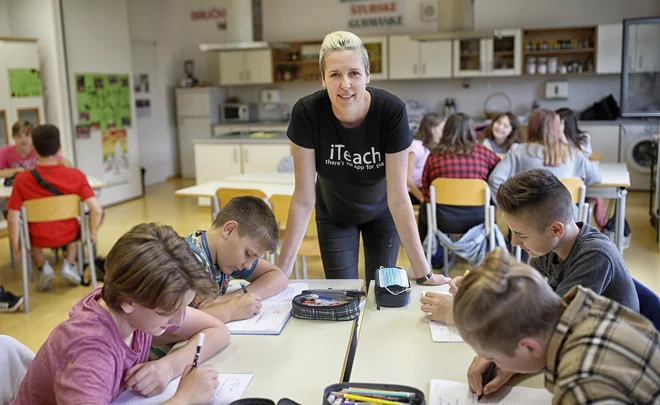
(350, 162)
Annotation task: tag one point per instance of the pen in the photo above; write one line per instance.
(486, 378)
(245, 291)
(200, 343)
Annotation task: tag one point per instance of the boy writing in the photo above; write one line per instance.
(67, 180)
(102, 349)
(539, 211)
(592, 349)
(244, 230)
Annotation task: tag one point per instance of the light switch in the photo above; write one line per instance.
(556, 90)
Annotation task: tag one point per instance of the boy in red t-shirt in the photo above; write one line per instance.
(46, 141)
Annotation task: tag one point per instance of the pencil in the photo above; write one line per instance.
(486, 378)
(200, 343)
(371, 400)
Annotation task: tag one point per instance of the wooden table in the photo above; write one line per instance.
(5, 192)
(395, 346)
(614, 184)
(299, 363)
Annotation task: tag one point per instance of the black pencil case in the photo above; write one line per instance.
(418, 399)
(391, 296)
(346, 311)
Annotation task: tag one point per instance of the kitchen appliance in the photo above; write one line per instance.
(636, 153)
(239, 112)
(275, 112)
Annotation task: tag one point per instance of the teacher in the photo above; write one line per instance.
(356, 139)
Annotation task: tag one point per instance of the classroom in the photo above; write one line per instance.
(329, 201)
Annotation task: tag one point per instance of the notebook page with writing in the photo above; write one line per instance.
(274, 314)
(455, 393)
(441, 332)
(231, 388)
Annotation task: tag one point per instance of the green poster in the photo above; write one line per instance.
(25, 82)
(104, 101)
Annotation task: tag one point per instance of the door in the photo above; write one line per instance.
(232, 67)
(610, 44)
(263, 157)
(435, 59)
(404, 57)
(470, 57)
(377, 49)
(191, 128)
(258, 66)
(504, 53)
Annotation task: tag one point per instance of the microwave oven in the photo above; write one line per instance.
(242, 112)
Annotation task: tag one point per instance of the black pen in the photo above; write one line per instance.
(486, 378)
(244, 288)
(200, 343)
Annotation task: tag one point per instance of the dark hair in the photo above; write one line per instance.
(255, 219)
(152, 266)
(514, 136)
(46, 140)
(425, 130)
(571, 129)
(19, 126)
(539, 195)
(457, 136)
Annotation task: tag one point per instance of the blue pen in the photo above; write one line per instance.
(244, 288)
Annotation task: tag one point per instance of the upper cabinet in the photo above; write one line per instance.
(644, 48)
(610, 45)
(246, 67)
(378, 51)
(497, 56)
(411, 59)
(560, 51)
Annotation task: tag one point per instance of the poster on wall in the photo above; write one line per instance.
(103, 101)
(25, 82)
(215, 14)
(141, 89)
(374, 13)
(115, 156)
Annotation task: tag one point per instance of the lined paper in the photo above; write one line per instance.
(441, 332)
(445, 392)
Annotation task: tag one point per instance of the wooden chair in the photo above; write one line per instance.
(595, 156)
(458, 192)
(310, 244)
(52, 209)
(222, 195)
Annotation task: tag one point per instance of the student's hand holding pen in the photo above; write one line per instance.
(197, 386)
(150, 378)
(479, 369)
(244, 306)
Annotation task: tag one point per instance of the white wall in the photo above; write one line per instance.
(97, 41)
(4, 20)
(40, 19)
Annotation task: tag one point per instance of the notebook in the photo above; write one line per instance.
(231, 388)
(441, 332)
(455, 393)
(274, 314)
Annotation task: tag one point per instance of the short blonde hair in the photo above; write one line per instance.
(502, 301)
(342, 41)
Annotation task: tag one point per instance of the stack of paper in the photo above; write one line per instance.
(454, 393)
(231, 388)
(274, 314)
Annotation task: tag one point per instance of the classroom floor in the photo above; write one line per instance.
(160, 205)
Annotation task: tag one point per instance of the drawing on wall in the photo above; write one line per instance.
(141, 83)
(82, 131)
(143, 107)
(103, 101)
(25, 82)
(115, 156)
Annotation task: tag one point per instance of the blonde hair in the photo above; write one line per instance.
(502, 301)
(21, 125)
(342, 41)
(152, 266)
(544, 127)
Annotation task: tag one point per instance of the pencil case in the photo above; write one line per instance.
(263, 401)
(327, 305)
(392, 287)
(417, 399)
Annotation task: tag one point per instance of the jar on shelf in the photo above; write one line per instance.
(531, 66)
(542, 67)
(552, 65)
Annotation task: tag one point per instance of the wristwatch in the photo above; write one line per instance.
(421, 280)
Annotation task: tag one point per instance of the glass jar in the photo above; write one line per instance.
(542, 67)
(552, 65)
(531, 66)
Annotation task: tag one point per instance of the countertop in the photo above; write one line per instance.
(244, 137)
(622, 121)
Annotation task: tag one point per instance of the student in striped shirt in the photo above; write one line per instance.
(591, 349)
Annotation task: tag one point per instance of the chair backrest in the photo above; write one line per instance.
(649, 303)
(595, 156)
(280, 203)
(226, 194)
(55, 208)
(461, 192)
(576, 187)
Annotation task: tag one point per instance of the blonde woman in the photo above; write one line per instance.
(591, 350)
(356, 140)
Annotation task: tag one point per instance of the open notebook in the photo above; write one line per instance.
(231, 388)
(441, 332)
(455, 393)
(275, 312)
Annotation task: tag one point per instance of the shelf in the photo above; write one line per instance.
(561, 74)
(560, 51)
(504, 53)
(298, 62)
(470, 55)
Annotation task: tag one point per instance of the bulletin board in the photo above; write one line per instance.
(103, 100)
(25, 82)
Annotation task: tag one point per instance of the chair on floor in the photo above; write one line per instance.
(649, 303)
(222, 195)
(52, 209)
(310, 243)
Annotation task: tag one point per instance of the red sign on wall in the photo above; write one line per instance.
(212, 13)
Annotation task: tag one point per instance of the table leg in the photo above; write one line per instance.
(620, 219)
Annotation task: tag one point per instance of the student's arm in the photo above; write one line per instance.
(266, 280)
(404, 219)
(414, 189)
(592, 269)
(591, 390)
(588, 170)
(302, 204)
(477, 368)
(10, 172)
(95, 216)
(151, 378)
(501, 173)
(13, 224)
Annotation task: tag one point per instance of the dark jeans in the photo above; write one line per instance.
(340, 245)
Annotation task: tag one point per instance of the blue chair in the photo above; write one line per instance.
(649, 303)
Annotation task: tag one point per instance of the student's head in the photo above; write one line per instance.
(151, 275)
(344, 65)
(244, 230)
(504, 130)
(430, 130)
(506, 311)
(457, 136)
(537, 208)
(21, 131)
(46, 140)
(544, 127)
(569, 126)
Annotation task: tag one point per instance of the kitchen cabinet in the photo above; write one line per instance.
(377, 49)
(246, 67)
(217, 161)
(497, 56)
(263, 157)
(604, 140)
(643, 49)
(411, 59)
(189, 129)
(610, 45)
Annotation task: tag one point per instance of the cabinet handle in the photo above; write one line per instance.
(235, 155)
(247, 75)
(414, 68)
(423, 68)
(240, 75)
(245, 156)
(640, 61)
